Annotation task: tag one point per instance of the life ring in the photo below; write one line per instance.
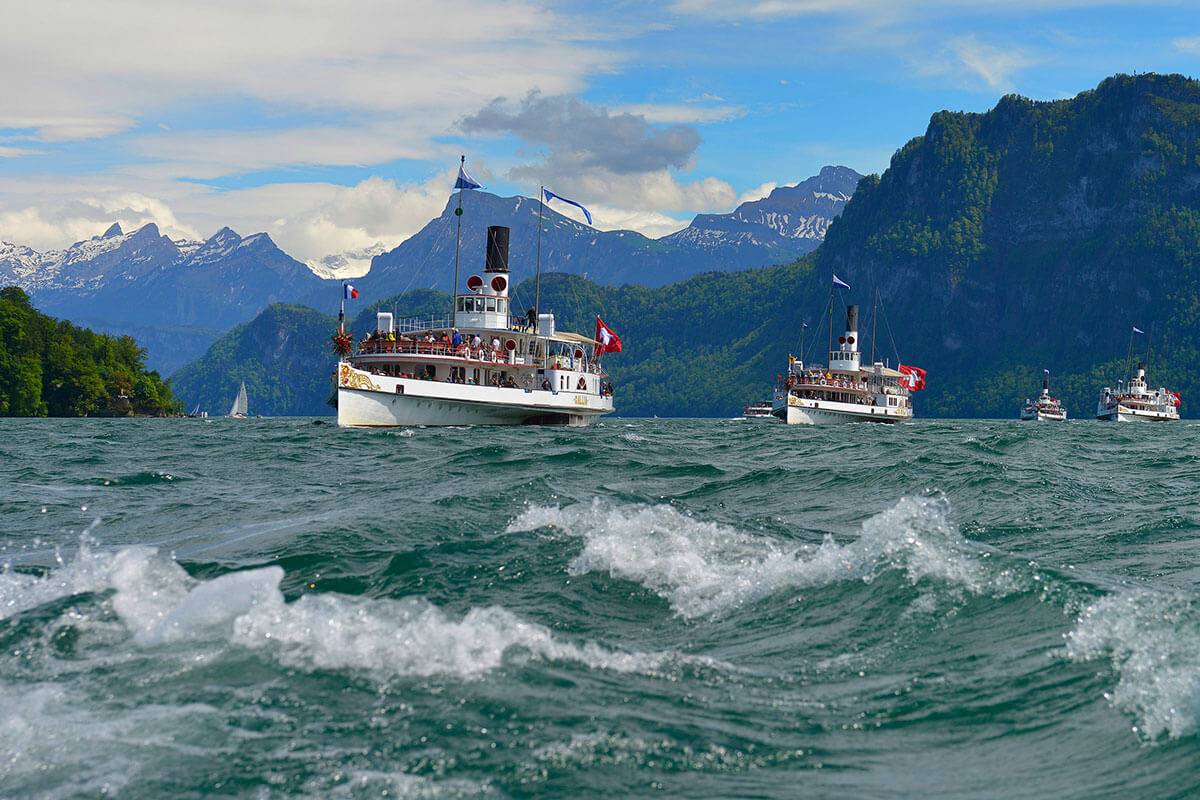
(823, 382)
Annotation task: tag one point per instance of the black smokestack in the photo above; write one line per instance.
(497, 248)
(852, 319)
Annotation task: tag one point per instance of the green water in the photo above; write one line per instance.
(666, 608)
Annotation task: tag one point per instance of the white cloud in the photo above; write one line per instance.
(758, 193)
(1187, 44)
(18, 152)
(111, 62)
(994, 64)
(694, 114)
(56, 225)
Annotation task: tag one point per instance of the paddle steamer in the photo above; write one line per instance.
(845, 390)
(481, 365)
(1136, 402)
(1044, 408)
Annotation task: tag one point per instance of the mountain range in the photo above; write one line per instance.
(1034, 236)
(789, 222)
(178, 297)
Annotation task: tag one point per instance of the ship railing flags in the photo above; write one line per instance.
(914, 378)
(465, 181)
(349, 292)
(838, 283)
(1138, 330)
(606, 340)
(552, 196)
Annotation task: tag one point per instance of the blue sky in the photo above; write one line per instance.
(336, 127)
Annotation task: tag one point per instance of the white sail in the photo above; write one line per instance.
(240, 404)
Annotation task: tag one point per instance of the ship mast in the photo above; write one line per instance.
(457, 239)
(537, 282)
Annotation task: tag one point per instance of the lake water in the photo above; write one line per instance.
(668, 608)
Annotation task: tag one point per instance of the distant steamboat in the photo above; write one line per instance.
(1137, 402)
(482, 366)
(845, 391)
(1045, 407)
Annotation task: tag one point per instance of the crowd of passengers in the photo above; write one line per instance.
(445, 344)
(823, 383)
(449, 343)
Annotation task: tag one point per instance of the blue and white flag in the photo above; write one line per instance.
(838, 283)
(552, 196)
(1138, 330)
(465, 181)
(1046, 371)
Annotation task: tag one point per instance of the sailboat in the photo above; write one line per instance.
(240, 405)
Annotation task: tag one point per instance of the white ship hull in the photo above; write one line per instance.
(366, 400)
(1043, 416)
(803, 411)
(1125, 414)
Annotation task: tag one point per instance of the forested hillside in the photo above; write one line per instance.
(1037, 236)
(50, 367)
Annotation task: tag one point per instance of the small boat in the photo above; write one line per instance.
(196, 413)
(240, 404)
(846, 390)
(1045, 407)
(758, 411)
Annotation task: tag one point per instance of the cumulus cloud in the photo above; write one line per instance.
(52, 226)
(619, 161)
(581, 136)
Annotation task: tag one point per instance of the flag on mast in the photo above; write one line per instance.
(606, 340)
(552, 196)
(349, 292)
(912, 377)
(838, 283)
(465, 181)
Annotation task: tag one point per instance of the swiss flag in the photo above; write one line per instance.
(607, 341)
(914, 378)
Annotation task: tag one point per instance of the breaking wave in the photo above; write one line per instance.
(703, 568)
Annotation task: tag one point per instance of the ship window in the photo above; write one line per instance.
(491, 304)
(502, 306)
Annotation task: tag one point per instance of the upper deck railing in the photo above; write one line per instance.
(483, 353)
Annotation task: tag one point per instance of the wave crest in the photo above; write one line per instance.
(703, 568)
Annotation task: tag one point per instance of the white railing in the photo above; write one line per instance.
(431, 322)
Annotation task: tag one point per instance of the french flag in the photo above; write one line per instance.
(349, 292)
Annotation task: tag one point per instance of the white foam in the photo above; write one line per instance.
(1153, 641)
(413, 637)
(87, 572)
(159, 603)
(703, 568)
